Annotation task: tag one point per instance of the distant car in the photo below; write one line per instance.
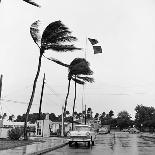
(125, 130)
(82, 133)
(134, 130)
(104, 129)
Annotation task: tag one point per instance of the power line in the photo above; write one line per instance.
(14, 101)
(54, 92)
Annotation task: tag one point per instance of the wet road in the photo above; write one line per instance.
(112, 144)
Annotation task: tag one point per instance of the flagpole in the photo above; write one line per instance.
(83, 96)
(86, 48)
(1, 77)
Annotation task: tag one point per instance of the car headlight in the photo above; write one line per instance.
(88, 134)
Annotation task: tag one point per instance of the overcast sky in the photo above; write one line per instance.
(124, 73)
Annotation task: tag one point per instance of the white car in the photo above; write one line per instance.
(104, 130)
(82, 133)
(134, 130)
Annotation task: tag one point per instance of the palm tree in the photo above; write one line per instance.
(54, 37)
(78, 71)
(80, 67)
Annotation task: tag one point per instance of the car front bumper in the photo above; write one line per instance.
(79, 139)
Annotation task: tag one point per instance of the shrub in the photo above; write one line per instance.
(15, 133)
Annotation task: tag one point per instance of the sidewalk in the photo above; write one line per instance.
(37, 148)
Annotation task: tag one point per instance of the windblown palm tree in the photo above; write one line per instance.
(78, 68)
(54, 37)
(78, 71)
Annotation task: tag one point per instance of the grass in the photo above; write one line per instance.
(8, 144)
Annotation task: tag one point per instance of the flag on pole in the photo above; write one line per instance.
(97, 49)
(93, 41)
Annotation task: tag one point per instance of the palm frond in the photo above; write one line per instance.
(86, 79)
(32, 3)
(62, 48)
(57, 61)
(78, 81)
(55, 35)
(80, 66)
(35, 33)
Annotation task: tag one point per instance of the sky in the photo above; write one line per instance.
(124, 73)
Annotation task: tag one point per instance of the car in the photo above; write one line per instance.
(104, 130)
(134, 130)
(81, 133)
(125, 130)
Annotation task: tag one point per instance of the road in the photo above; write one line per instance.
(112, 144)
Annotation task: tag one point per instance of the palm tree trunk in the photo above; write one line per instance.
(69, 81)
(42, 91)
(64, 113)
(32, 96)
(74, 103)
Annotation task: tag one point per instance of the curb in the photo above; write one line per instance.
(48, 149)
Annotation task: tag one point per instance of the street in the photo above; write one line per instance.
(119, 143)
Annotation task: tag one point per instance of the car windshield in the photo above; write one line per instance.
(82, 128)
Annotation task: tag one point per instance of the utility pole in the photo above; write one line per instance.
(1, 85)
(42, 91)
(85, 114)
(1, 92)
(62, 128)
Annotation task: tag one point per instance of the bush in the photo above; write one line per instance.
(15, 133)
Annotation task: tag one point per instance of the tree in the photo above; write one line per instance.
(111, 113)
(102, 118)
(80, 67)
(53, 117)
(11, 118)
(89, 113)
(143, 114)
(54, 37)
(123, 119)
(78, 71)
(96, 116)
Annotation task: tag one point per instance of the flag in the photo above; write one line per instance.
(97, 49)
(93, 41)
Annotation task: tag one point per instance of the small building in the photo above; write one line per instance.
(5, 126)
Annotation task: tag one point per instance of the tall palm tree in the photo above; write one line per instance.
(79, 68)
(54, 37)
(78, 71)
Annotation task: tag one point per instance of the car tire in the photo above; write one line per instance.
(89, 144)
(70, 143)
(92, 143)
